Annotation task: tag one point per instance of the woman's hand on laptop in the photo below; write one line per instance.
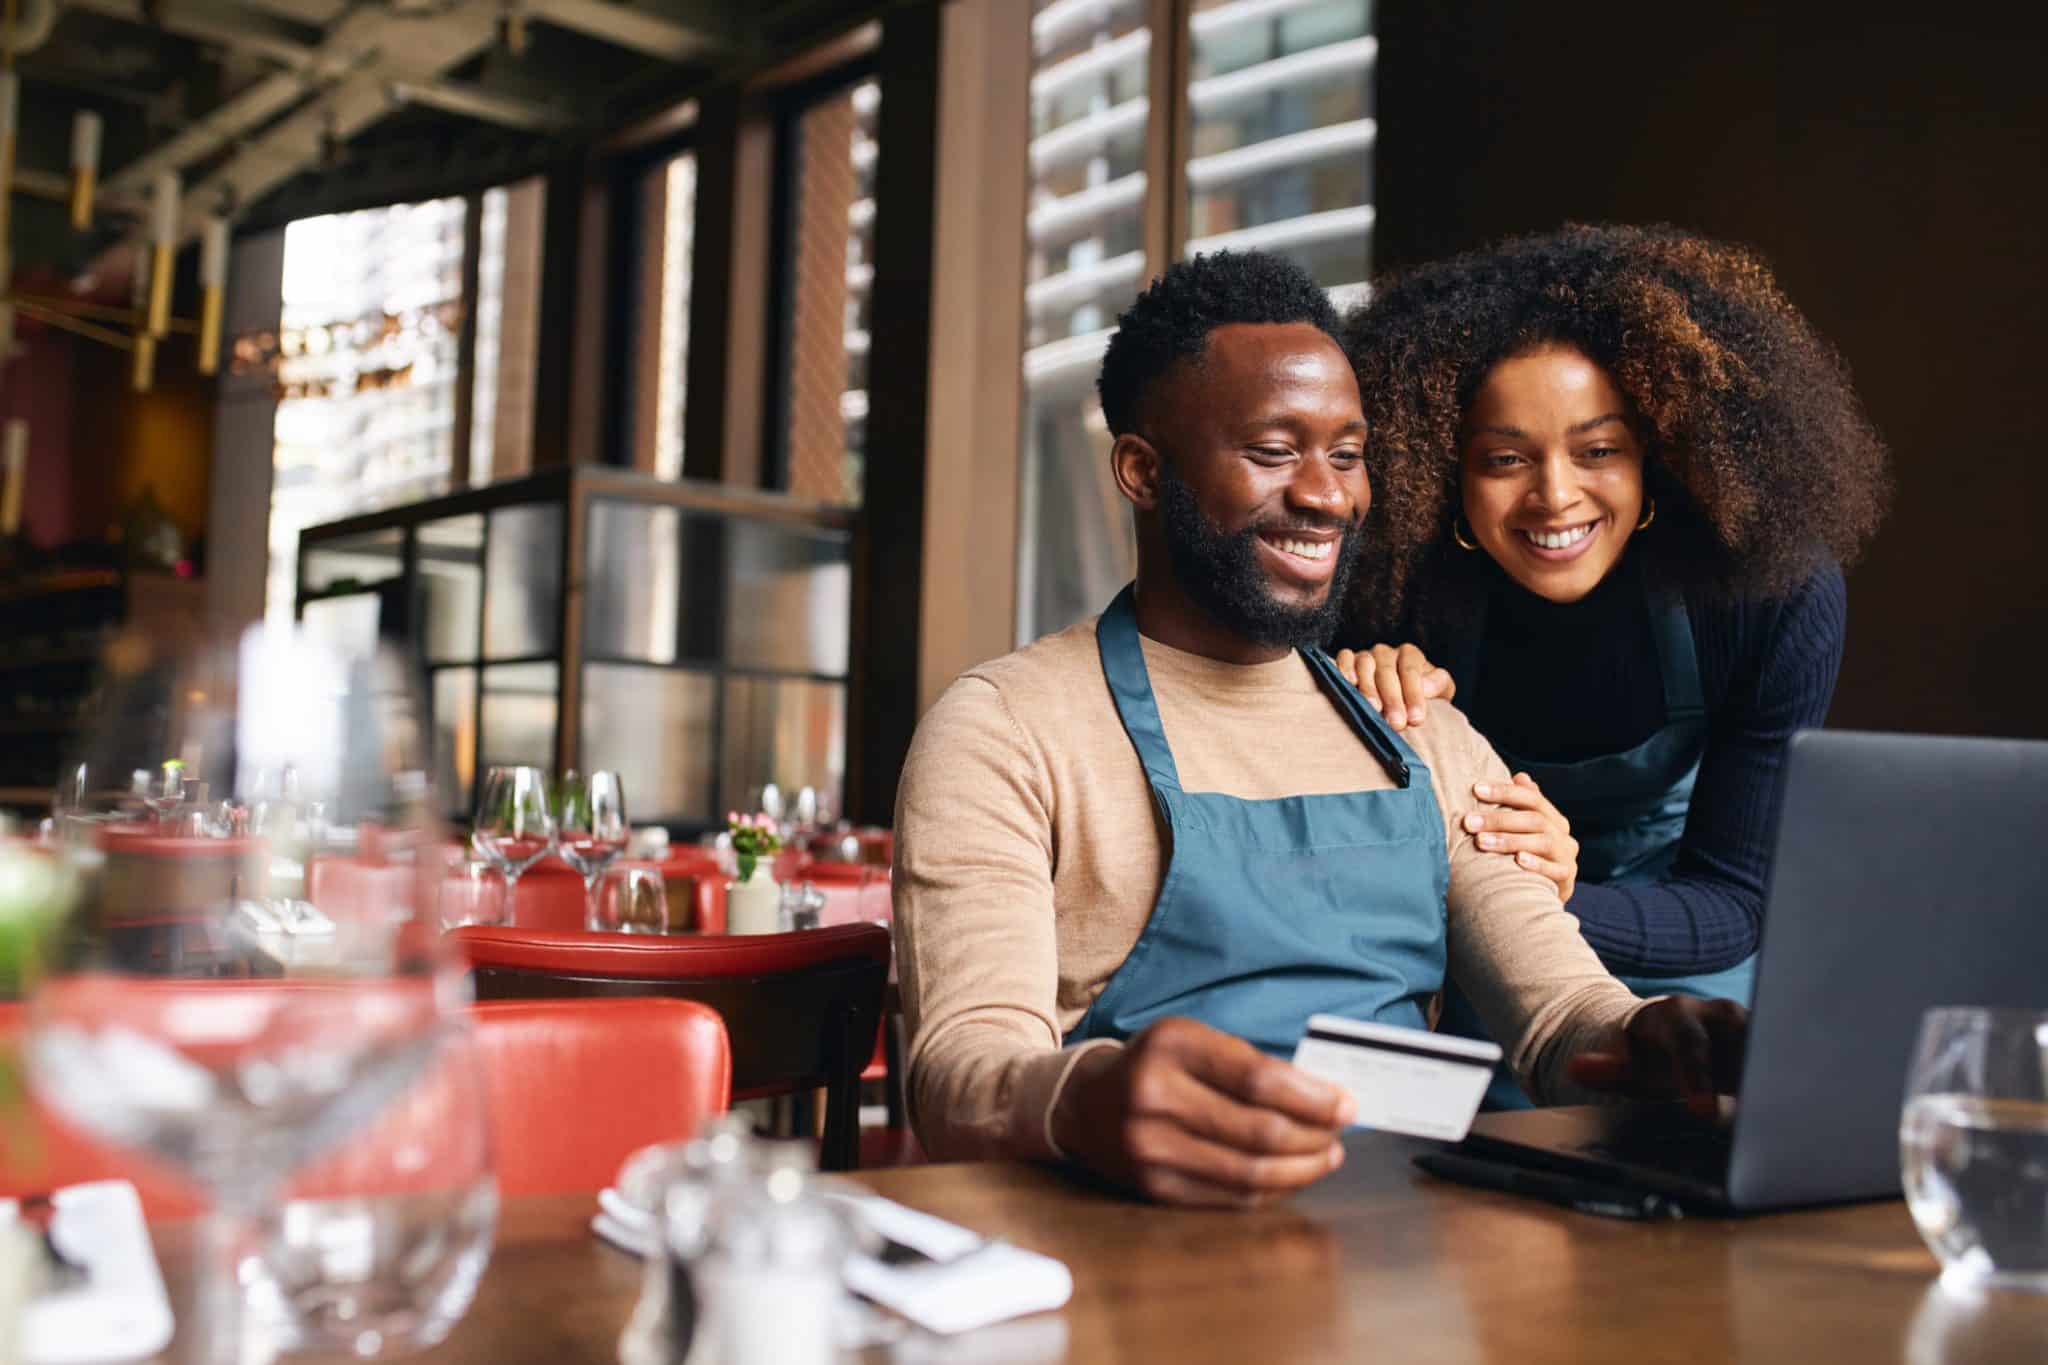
(1673, 1048)
(1186, 1114)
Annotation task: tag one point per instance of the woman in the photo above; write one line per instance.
(1617, 475)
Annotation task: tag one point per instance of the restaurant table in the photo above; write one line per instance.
(1376, 1262)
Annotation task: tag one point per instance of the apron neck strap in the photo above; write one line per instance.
(1366, 721)
(1130, 686)
(1677, 658)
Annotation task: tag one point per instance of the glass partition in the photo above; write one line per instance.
(347, 563)
(519, 708)
(658, 729)
(451, 554)
(706, 653)
(523, 564)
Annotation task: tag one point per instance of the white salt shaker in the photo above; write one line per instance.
(768, 1284)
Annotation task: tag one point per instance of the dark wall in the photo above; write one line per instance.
(1890, 167)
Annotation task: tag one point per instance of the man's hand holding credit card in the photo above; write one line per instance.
(1402, 1080)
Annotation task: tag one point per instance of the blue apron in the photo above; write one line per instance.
(1628, 813)
(1271, 911)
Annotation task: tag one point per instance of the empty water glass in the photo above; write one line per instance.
(633, 900)
(1973, 1145)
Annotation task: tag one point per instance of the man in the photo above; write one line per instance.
(1165, 838)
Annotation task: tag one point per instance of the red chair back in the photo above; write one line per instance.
(576, 1086)
(573, 1086)
(801, 1010)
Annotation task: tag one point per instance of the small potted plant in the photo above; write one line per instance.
(753, 899)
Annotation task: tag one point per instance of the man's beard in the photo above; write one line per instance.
(1220, 570)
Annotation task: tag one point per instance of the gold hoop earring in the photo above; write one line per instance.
(1648, 516)
(1458, 534)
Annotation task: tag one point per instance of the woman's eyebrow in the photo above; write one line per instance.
(1581, 428)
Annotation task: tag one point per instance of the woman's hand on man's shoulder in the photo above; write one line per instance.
(1397, 681)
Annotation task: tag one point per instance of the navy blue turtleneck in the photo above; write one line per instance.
(1565, 682)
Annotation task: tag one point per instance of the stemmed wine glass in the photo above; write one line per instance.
(515, 824)
(591, 831)
(157, 1023)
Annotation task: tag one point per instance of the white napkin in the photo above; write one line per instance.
(121, 1311)
(969, 1283)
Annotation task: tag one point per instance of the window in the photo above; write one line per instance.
(1086, 259)
(1281, 146)
(1276, 113)
(827, 235)
(366, 370)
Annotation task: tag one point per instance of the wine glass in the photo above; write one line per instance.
(163, 1022)
(515, 824)
(591, 830)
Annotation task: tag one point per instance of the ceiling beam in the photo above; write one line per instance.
(471, 102)
(640, 30)
(414, 50)
(245, 30)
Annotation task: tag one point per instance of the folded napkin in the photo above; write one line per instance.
(963, 1283)
(119, 1311)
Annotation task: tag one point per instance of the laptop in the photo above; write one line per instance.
(1906, 874)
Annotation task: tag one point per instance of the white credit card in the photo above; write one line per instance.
(1403, 1080)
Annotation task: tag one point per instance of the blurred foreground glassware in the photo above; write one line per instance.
(674, 1183)
(767, 1281)
(1973, 1145)
(377, 1249)
(592, 831)
(633, 900)
(515, 822)
(160, 1023)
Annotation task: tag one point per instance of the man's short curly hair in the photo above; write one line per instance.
(1171, 321)
(1760, 457)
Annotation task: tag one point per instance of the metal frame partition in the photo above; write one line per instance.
(695, 637)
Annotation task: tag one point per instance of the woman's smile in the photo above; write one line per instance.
(1558, 545)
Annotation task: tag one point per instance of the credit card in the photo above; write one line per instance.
(1403, 1080)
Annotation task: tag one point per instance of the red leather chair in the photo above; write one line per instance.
(576, 1086)
(801, 1009)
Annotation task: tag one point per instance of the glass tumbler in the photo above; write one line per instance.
(1973, 1145)
(632, 900)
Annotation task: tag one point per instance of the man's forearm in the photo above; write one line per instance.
(981, 1092)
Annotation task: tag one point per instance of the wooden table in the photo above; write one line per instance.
(1376, 1263)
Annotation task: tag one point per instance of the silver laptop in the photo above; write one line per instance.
(1907, 873)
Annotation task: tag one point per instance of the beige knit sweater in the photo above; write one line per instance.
(1029, 854)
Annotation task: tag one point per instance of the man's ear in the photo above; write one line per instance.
(1136, 466)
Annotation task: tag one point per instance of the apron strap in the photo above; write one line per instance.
(1130, 686)
(1366, 721)
(1685, 696)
